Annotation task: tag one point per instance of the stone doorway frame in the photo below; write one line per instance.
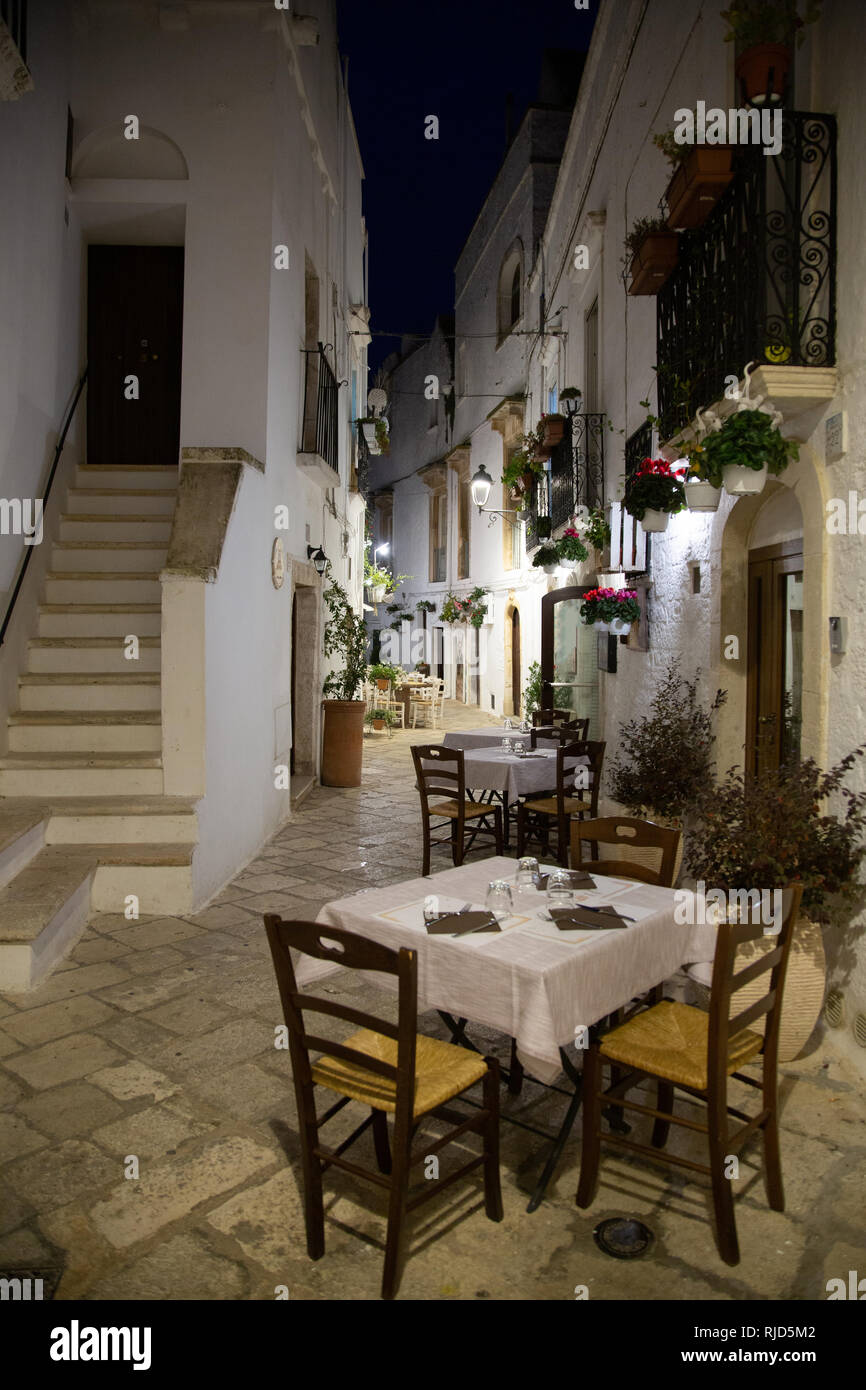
(511, 608)
(307, 594)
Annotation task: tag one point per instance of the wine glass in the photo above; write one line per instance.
(431, 908)
(527, 872)
(506, 745)
(508, 724)
(559, 890)
(499, 900)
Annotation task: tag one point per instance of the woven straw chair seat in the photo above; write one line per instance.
(441, 1072)
(670, 1040)
(547, 805)
(471, 809)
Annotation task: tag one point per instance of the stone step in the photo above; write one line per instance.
(81, 774)
(99, 619)
(135, 526)
(122, 820)
(102, 587)
(129, 479)
(111, 555)
(117, 502)
(83, 731)
(22, 836)
(141, 691)
(97, 654)
(159, 875)
(43, 912)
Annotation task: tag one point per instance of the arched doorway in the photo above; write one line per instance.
(515, 661)
(569, 656)
(774, 692)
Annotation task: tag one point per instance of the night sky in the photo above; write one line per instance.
(456, 59)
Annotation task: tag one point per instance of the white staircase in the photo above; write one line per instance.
(84, 823)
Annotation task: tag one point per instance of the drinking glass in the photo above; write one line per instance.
(499, 900)
(527, 870)
(559, 890)
(508, 724)
(431, 908)
(506, 745)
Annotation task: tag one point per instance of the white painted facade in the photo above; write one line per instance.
(246, 145)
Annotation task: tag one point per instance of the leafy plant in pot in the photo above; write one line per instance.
(546, 558)
(654, 492)
(701, 173)
(383, 674)
(651, 254)
(533, 692)
(765, 32)
(748, 447)
(344, 639)
(664, 758)
(381, 718)
(610, 610)
(521, 473)
(761, 832)
(571, 549)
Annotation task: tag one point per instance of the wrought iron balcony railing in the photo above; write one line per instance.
(320, 429)
(576, 474)
(758, 281)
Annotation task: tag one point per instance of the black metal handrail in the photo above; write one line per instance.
(576, 475)
(14, 16)
(28, 549)
(320, 434)
(758, 281)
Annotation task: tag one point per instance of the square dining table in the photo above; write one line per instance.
(507, 776)
(543, 987)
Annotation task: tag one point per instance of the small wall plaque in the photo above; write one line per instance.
(278, 563)
(836, 436)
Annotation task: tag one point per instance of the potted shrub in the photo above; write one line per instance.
(664, 758)
(533, 692)
(703, 482)
(344, 637)
(748, 447)
(381, 718)
(425, 605)
(571, 549)
(450, 612)
(546, 558)
(765, 831)
(521, 474)
(765, 32)
(651, 254)
(610, 610)
(383, 674)
(701, 173)
(653, 493)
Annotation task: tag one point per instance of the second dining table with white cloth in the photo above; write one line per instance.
(494, 770)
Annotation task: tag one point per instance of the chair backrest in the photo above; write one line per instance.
(353, 952)
(550, 716)
(626, 833)
(731, 935)
(439, 771)
(578, 769)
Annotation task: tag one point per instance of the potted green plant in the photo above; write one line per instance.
(543, 527)
(376, 580)
(702, 483)
(383, 674)
(765, 32)
(766, 830)
(522, 472)
(425, 605)
(423, 668)
(664, 759)
(651, 254)
(570, 397)
(546, 557)
(381, 718)
(747, 448)
(344, 639)
(653, 493)
(533, 692)
(571, 549)
(376, 433)
(701, 173)
(450, 611)
(610, 610)
(596, 529)
(401, 615)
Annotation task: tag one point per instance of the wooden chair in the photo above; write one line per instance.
(568, 732)
(388, 1067)
(550, 716)
(573, 797)
(626, 833)
(423, 705)
(682, 1048)
(447, 779)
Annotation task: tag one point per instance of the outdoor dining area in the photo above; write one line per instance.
(565, 934)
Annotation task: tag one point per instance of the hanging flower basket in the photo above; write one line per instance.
(654, 492)
(376, 592)
(547, 558)
(654, 522)
(702, 496)
(602, 608)
(552, 429)
(747, 448)
(697, 185)
(762, 72)
(571, 549)
(739, 480)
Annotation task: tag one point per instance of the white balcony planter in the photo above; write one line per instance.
(376, 592)
(619, 627)
(702, 496)
(743, 482)
(655, 521)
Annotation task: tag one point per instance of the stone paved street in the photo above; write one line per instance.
(155, 1040)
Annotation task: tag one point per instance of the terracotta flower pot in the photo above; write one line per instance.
(554, 428)
(697, 186)
(653, 262)
(342, 743)
(762, 72)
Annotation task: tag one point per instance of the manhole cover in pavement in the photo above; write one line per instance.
(623, 1237)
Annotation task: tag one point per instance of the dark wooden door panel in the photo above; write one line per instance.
(134, 328)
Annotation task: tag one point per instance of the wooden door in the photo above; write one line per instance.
(293, 682)
(774, 698)
(134, 331)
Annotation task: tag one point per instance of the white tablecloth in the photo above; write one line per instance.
(490, 769)
(530, 981)
(486, 738)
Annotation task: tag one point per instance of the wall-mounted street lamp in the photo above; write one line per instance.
(318, 557)
(480, 484)
(386, 546)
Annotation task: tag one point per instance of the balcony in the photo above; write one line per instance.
(757, 282)
(576, 475)
(319, 452)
